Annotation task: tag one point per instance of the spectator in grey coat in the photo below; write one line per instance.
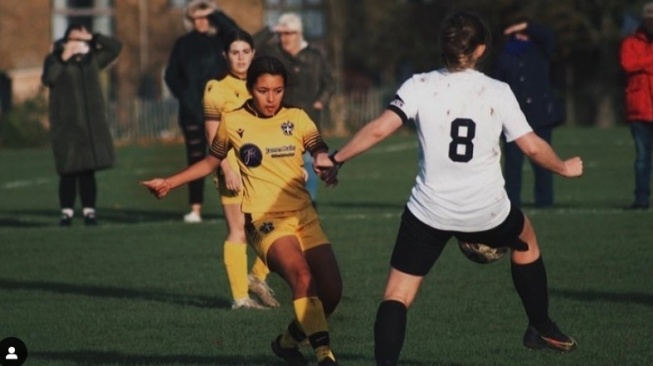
(80, 135)
(311, 82)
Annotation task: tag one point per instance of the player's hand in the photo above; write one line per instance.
(325, 169)
(515, 28)
(573, 167)
(329, 176)
(159, 187)
(232, 180)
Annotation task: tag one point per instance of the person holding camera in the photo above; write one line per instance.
(79, 129)
(196, 58)
(524, 63)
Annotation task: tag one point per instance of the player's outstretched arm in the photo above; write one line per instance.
(368, 136)
(542, 154)
(160, 187)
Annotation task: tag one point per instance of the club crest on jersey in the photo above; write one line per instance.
(287, 128)
(266, 227)
(250, 155)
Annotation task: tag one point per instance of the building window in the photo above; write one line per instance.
(96, 15)
(178, 3)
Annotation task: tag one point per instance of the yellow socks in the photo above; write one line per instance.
(259, 269)
(310, 316)
(235, 262)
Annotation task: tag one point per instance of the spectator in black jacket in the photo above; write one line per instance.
(79, 129)
(311, 83)
(524, 64)
(196, 58)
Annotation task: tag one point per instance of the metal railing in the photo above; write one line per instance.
(153, 120)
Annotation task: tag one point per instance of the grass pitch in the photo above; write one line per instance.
(143, 288)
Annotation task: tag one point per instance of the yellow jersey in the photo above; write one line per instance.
(221, 97)
(224, 95)
(269, 152)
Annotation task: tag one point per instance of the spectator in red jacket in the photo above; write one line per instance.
(637, 61)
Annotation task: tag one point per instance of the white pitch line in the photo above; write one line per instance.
(25, 183)
(394, 148)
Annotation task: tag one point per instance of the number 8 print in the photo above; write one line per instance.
(463, 131)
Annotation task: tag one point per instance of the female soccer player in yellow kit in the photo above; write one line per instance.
(220, 97)
(281, 224)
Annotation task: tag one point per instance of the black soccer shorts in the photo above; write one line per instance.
(418, 245)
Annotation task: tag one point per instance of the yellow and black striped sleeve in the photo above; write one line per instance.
(221, 143)
(313, 142)
(212, 100)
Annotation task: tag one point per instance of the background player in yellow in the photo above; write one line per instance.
(222, 96)
(281, 224)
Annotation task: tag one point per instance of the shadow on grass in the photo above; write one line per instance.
(103, 358)
(40, 218)
(14, 222)
(116, 293)
(362, 205)
(627, 298)
(117, 358)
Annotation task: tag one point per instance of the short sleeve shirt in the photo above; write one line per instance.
(460, 117)
(270, 156)
(224, 96)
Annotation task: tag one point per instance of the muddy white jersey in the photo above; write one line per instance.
(460, 117)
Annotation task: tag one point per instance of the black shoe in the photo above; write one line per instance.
(89, 220)
(553, 338)
(292, 356)
(327, 362)
(638, 206)
(65, 220)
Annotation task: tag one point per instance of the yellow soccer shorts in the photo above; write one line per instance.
(228, 197)
(263, 229)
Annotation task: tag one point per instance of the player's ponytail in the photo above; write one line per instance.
(460, 35)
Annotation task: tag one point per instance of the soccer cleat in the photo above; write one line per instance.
(65, 220)
(553, 338)
(262, 291)
(192, 218)
(638, 206)
(247, 303)
(292, 356)
(327, 362)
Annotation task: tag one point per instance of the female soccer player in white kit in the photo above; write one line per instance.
(459, 192)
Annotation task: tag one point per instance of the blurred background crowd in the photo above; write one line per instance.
(372, 46)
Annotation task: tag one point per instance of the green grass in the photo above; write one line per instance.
(145, 289)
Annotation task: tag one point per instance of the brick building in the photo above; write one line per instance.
(147, 28)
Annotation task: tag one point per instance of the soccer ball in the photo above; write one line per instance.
(481, 253)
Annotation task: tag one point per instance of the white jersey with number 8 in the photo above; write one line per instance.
(460, 117)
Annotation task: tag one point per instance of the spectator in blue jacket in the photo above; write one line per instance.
(524, 64)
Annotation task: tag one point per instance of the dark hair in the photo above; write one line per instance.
(461, 34)
(265, 65)
(237, 34)
(72, 27)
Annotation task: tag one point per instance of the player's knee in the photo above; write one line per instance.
(300, 280)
